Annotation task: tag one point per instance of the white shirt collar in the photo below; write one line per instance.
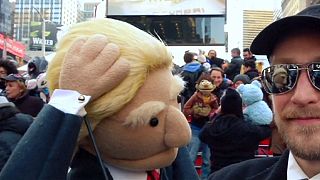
(120, 174)
(294, 172)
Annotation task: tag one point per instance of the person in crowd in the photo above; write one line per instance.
(199, 107)
(176, 69)
(6, 67)
(255, 109)
(13, 125)
(221, 83)
(294, 43)
(247, 55)
(36, 66)
(17, 93)
(240, 79)
(213, 60)
(191, 72)
(38, 87)
(231, 139)
(233, 68)
(250, 69)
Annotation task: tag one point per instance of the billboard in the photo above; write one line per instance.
(36, 35)
(166, 7)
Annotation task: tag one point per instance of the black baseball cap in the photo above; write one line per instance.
(14, 77)
(265, 41)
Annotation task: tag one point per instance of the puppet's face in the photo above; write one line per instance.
(145, 134)
(280, 78)
(205, 87)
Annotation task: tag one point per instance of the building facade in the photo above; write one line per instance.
(253, 22)
(6, 17)
(30, 15)
(89, 9)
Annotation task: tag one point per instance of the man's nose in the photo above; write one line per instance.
(177, 130)
(304, 92)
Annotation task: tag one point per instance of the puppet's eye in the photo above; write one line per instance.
(154, 122)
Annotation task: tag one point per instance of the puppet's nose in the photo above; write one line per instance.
(177, 132)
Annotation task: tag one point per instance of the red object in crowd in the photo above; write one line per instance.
(12, 46)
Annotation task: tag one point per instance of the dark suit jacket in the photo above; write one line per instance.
(45, 151)
(274, 168)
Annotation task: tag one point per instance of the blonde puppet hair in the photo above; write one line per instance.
(144, 53)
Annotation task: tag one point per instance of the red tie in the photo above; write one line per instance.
(153, 175)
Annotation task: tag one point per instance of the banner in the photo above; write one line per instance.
(12, 46)
(36, 35)
(166, 7)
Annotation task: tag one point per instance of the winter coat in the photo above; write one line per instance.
(190, 74)
(232, 140)
(256, 110)
(12, 127)
(199, 110)
(234, 67)
(218, 91)
(215, 62)
(28, 104)
(40, 64)
(252, 73)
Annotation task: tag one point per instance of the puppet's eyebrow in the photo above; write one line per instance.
(177, 85)
(141, 115)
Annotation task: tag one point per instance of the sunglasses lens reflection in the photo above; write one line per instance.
(280, 78)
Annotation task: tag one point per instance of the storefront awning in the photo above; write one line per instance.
(12, 46)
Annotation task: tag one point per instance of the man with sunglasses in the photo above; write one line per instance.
(293, 47)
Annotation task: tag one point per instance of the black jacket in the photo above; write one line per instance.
(271, 168)
(12, 127)
(190, 74)
(252, 73)
(29, 104)
(232, 140)
(234, 67)
(216, 62)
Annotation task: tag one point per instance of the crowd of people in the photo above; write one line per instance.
(20, 101)
(227, 104)
(228, 111)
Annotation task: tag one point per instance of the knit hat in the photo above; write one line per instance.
(231, 103)
(242, 77)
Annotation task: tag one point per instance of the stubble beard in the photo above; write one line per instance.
(303, 141)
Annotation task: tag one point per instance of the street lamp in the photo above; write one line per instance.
(43, 32)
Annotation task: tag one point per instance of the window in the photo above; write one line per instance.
(182, 30)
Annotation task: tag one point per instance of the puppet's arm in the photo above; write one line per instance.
(44, 152)
(46, 149)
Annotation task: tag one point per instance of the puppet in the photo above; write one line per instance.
(126, 75)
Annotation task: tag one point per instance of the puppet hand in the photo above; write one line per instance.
(92, 66)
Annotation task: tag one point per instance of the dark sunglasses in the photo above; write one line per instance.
(281, 78)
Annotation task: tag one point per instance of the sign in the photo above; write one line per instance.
(36, 35)
(12, 46)
(166, 7)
